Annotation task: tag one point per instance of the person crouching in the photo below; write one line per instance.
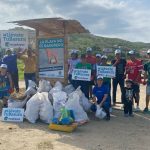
(6, 84)
(100, 93)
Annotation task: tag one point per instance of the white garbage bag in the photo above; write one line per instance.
(69, 89)
(59, 100)
(57, 88)
(46, 109)
(33, 107)
(44, 86)
(85, 103)
(12, 103)
(73, 104)
(32, 88)
(100, 113)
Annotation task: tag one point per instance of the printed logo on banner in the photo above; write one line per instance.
(81, 74)
(106, 71)
(13, 114)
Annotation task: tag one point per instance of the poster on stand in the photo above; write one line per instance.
(51, 57)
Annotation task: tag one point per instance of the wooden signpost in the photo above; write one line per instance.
(52, 45)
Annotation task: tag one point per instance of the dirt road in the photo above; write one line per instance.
(119, 133)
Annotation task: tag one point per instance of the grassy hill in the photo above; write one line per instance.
(81, 41)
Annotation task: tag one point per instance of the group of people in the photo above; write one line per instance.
(9, 79)
(99, 88)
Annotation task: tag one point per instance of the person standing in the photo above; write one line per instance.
(120, 65)
(72, 62)
(128, 98)
(147, 81)
(10, 60)
(91, 60)
(29, 61)
(106, 80)
(133, 70)
(84, 84)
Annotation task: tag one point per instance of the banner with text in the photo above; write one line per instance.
(13, 114)
(81, 74)
(14, 39)
(51, 57)
(106, 71)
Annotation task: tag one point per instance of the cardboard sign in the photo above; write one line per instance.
(13, 114)
(51, 57)
(106, 71)
(14, 39)
(81, 74)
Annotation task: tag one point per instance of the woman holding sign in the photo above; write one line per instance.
(84, 84)
(72, 62)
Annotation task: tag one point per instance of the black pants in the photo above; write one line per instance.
(15, 80)
(29, 76)
(128, 107)
(117, 81)
(84, 87)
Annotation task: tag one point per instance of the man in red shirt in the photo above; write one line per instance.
(91, 60)
(133, 70)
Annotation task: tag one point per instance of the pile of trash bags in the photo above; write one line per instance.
(47, 103)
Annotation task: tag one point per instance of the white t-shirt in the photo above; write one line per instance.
(72, 64)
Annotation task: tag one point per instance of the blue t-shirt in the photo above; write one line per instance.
(99, 92)
(11, 62)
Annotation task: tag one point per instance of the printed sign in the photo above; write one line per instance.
(81, 74)
(14, 39)
(51, 57)
(12, 114)
(106, 71)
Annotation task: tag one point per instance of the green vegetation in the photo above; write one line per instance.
(20, 69)
(82, 41)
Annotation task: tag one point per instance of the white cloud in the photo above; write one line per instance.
(126, 19)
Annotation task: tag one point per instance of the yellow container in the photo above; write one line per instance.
(64, 128)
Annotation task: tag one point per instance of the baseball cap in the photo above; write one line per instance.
(98, 55)
(74, 51)
(131, 52)
(104, 56)
(99, 77)
(148, 51)
(8, 49)
(117, 51)
(88, 49)
(3, 66)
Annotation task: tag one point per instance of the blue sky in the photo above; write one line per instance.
(126, 19)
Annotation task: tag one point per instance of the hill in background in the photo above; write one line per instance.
(82, 41)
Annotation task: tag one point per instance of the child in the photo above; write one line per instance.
(5, 84)
(128, 98)
(101, 98)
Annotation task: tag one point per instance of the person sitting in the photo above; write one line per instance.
(6, 85)
(101, 98)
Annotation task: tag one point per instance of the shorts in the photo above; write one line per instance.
(148, 90)
(136, 87)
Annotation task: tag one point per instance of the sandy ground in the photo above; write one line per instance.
(118, 134)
